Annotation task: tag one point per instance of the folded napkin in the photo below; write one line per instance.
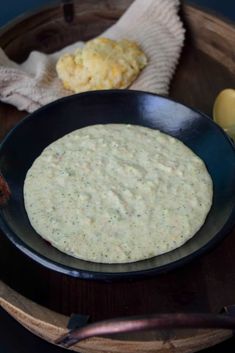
(154, 24)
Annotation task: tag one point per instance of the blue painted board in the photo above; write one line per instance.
(9, 9)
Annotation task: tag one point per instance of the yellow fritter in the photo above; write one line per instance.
(101, 64)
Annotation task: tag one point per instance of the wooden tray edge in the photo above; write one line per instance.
(50, 325)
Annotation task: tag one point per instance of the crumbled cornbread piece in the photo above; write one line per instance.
(101, 64)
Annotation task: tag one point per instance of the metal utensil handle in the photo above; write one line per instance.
(143, 323)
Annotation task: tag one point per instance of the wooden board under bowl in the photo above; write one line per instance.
(207, 66)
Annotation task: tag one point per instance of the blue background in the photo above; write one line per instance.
(9, 9)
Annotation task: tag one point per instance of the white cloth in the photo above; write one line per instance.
(154, 24)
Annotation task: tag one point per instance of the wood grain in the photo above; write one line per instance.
(206, 285)
(51, 325)
(212, 35)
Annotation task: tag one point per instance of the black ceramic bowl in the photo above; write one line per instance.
(27, 140)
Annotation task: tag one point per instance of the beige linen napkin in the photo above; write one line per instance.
(154, 24)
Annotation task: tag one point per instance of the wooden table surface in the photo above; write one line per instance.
(207, 284)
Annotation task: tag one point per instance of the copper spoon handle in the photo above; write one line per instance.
(143, 323)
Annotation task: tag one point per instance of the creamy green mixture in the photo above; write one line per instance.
(117, 193)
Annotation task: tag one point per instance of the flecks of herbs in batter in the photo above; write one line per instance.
(117, 193)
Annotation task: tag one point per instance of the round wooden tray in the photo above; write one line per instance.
(207, 66)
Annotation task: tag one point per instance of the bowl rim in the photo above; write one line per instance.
(112, 276)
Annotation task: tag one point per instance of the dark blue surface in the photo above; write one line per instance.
(16, 339)
(222, 7)
(12, 8)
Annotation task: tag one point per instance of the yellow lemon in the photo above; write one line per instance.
(224, 111)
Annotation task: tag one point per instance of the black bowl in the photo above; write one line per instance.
(27, 140)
